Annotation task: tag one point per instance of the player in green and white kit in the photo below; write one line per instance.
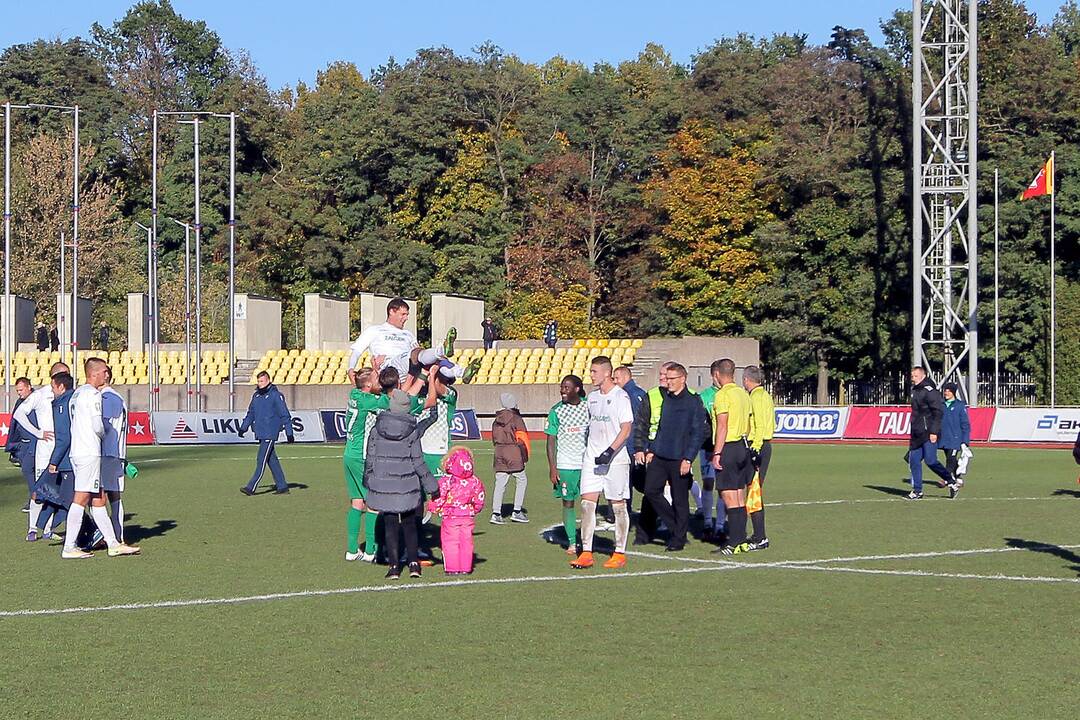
(364, 403)
(435, 443)
(567, 428)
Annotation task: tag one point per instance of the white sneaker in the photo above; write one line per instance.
(121, 549)
(349, 557)
(367, 557)
(76, 554)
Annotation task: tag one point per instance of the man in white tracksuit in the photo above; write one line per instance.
(87, 431)
(39, 402)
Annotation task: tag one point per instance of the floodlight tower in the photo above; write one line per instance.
(944, 219)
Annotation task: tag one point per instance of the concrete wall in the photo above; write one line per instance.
(460, 311)
(326, 322)
(258, 326)
(64, 309)
(373, 311)
(138, 321)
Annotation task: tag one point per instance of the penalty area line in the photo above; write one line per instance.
(926, 573)
(270, 597)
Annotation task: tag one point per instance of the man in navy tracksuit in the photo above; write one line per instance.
(269, 415)
(927, 409)
(21, 445)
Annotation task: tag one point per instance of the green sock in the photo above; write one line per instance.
(371, 543)
(353, 524)
(569, 519)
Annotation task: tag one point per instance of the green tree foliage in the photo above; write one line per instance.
(763, 188)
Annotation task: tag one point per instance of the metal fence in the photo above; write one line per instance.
(1015, 389)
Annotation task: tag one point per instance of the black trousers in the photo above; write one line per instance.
(404, 523)
(676, 514)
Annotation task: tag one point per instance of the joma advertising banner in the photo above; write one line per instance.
(220, 428)
(811, 423)
(1036, 425)
(894, 423)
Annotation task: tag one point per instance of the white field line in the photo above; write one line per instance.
(924, 573)
(848, 559)
(962, 498)
(353, 590)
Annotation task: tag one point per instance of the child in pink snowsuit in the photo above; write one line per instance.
(461, 497)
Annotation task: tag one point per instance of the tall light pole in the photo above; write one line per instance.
(151, 295)
(187, 309)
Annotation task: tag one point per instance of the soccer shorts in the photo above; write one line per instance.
(708, 472)
(734, 459)
(764, 456)
(614, 483)
(354, 477)
(112, 474)
(569, 486)
(434, 463)
(87, 474)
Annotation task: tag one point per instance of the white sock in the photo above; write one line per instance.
(622, 526)
(588, 524)
(35, 513)
(74, 525)
(705, 503)
(101, 519)
(695, 492)
(116, 507)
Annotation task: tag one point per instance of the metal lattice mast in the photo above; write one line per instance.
(944, 221)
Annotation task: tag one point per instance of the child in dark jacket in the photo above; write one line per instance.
(394, 472)
(511, 441)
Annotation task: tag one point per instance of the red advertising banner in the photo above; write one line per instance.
(894, 423)
(139, 432)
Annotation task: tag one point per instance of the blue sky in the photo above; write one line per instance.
(291, 40)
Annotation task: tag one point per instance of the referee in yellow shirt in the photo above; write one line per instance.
(762, 426)
(731, 455)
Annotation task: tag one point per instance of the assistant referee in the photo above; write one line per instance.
(762, 427)
(731, 454)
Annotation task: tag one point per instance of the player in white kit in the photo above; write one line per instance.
(606, 467)
(390, 344)
(40, 403)
(87, 431)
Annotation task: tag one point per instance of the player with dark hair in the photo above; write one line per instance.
(567, 429)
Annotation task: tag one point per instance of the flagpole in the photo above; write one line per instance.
(997, 392)
(1053, 308)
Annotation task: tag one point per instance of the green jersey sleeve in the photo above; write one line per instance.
(552, 422)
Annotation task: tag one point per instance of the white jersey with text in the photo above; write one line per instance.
(87, 426)
(392, 342)
(40, 403)
(607, 413)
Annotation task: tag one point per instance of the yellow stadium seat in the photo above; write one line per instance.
(602, 343)
(637, 343)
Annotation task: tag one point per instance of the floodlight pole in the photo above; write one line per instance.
(74, 338)
(198, 267)
(7, 256)
(150, 303)
(187, 309)
(63, 293)
(151, 360)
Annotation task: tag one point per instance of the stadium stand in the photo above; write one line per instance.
(129, 368)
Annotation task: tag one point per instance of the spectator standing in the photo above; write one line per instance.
(41, 336)
(551, 334)
(103, 336)
(490, 335)
(54, 340)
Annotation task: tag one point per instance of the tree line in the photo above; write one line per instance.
(764, 188)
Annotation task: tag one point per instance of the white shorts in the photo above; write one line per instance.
(87, 474)
(615, 483)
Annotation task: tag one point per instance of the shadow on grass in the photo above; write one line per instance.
(898, 492)
(557, 536)
(138, 533)
(1056, 550)
(292, 486)
(1071, 493)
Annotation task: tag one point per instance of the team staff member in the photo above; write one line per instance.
(269, 415)
(708, 472)
(731, 455)
(927, 409)
(21, 445)
(669, 455)
(762, 427)
(955, 436)
(39, 403)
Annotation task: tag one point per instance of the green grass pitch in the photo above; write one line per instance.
(861, 609)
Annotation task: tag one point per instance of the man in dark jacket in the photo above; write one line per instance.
(927, 408)
(56, 488)
(21, 445)
(551, 333)
(41, 336)
(669, 455)
(394, 473)
(269, 415)
(489, 333)
(54, 340)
